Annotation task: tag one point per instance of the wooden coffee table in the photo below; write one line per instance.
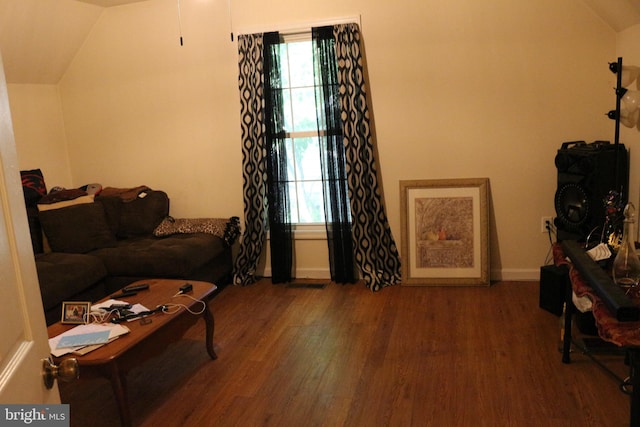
(148, 337)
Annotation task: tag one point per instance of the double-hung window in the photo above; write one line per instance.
(301, 127)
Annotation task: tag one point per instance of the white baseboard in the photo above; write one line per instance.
(306, 273)
(506, 274)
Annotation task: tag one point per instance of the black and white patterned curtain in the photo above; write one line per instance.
(254, 165)
(264, 160)
(332, 157)
(375, 249)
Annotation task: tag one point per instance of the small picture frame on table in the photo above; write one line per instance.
(75, 312)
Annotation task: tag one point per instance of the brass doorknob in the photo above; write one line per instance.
(67, 371)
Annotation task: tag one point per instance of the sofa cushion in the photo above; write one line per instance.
(77, 229)
(138, 217)
(173, 256)
(63, 275)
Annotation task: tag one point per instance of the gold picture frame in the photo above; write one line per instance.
(445, 232)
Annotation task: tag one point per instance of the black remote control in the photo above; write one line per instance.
(136, 288)
(124, 294)
(117, 307)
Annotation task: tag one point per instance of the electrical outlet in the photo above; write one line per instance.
(543, 223)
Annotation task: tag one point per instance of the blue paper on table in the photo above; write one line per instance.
(81, 340)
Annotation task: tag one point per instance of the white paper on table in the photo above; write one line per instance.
(600, 252)
(138, 308)
(115, 330)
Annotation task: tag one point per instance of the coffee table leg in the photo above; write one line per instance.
(210, 323)
(119, 385)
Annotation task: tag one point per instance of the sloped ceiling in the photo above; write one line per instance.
(38, 38)
(619, 14)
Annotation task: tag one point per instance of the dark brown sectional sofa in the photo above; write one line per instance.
(96, 248)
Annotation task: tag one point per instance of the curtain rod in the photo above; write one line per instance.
(302, 27)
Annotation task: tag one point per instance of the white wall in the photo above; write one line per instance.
(459, 89)
(628, 47)
(39, 132)
(141, 109)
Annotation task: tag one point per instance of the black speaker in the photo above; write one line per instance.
(553, 284)
(586, 175)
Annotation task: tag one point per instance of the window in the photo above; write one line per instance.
(303, 163)
(348, 161)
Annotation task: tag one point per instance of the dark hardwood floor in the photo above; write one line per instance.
(344, 356)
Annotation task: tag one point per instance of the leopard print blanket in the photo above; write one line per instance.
(227, 229)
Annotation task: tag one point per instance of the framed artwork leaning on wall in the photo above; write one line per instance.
(445, 232)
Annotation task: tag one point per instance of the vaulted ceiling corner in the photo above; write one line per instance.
(38, 39)
(618, 14)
